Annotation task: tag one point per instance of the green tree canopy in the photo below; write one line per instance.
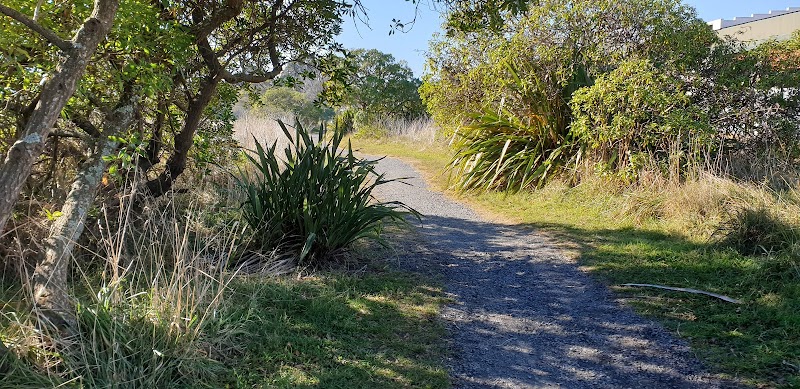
(383, 86)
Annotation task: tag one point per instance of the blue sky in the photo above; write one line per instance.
(411, 46)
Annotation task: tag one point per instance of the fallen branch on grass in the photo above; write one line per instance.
(695, 291)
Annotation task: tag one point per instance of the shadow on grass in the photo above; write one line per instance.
(758, 341)
(339, 331)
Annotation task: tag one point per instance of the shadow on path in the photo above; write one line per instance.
(523, 315)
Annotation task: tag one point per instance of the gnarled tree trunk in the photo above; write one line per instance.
(50, 277)
(176, 163)
(56, 91)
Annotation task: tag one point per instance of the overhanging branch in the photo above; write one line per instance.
(47, 34)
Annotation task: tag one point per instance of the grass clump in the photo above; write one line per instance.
(316, 202)
(754, 231)
(167, 310)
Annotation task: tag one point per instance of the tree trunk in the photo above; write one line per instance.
(50, 277)
(55, 93)
(176, 163)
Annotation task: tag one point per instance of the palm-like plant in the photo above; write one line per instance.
(517, 145)
(318, 200)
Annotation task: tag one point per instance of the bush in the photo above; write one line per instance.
(345, 122)
(318, 201)
(753, 231)
(513, 148)
(637, 116)
(504, 152)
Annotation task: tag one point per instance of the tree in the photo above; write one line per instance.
(382, 86)
(158, 70)
(165, 65)
(638, 115)
(58, 87)
(279, 102)
(252, 41)
(510, 88)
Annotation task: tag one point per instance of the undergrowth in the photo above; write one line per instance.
(161, 301)
(317, 201)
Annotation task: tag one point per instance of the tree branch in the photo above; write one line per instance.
(87, 126)
(249, 77)
(47, 34)
(228, 11)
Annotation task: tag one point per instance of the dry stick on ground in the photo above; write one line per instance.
(687, 290)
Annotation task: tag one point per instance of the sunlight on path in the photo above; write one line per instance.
(524, 316)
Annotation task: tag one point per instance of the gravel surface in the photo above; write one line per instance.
(523, 315)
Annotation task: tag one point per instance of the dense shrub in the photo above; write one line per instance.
(636, 115)
(504, 152)
(345, 122)
(316, 202)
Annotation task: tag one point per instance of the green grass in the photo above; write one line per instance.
(377, 330)
(757, 342)
(337, 329)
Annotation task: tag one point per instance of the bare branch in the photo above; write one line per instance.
(47, 34)
(37, 11)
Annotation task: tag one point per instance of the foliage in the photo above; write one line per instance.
(474, 15)
(382, 86)
(638, 114)
(344, 122)
(316, 202)
(280, 102)
(506, 152)
(456, 83)
(657, 89)
(523, 143)
(753, 105)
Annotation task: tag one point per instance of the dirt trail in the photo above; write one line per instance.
(523, 315)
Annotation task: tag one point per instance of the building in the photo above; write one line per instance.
(757, 28)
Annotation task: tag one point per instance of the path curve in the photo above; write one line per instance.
(523, 315)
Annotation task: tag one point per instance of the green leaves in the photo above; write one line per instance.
(505, 152)
(383, 86)
(638, 114)
(315, 202)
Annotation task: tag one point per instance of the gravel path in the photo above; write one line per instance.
(523, 315)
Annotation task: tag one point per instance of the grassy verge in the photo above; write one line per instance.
(333, 330)
(626, 237)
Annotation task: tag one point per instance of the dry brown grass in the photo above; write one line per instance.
(251, 127)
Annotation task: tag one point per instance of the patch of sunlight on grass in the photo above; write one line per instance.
(294, 376)
(340, 330)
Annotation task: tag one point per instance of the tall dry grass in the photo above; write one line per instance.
(422, 130)
(251, 127)
(149, 306)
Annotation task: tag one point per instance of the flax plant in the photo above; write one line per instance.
(318, 200)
